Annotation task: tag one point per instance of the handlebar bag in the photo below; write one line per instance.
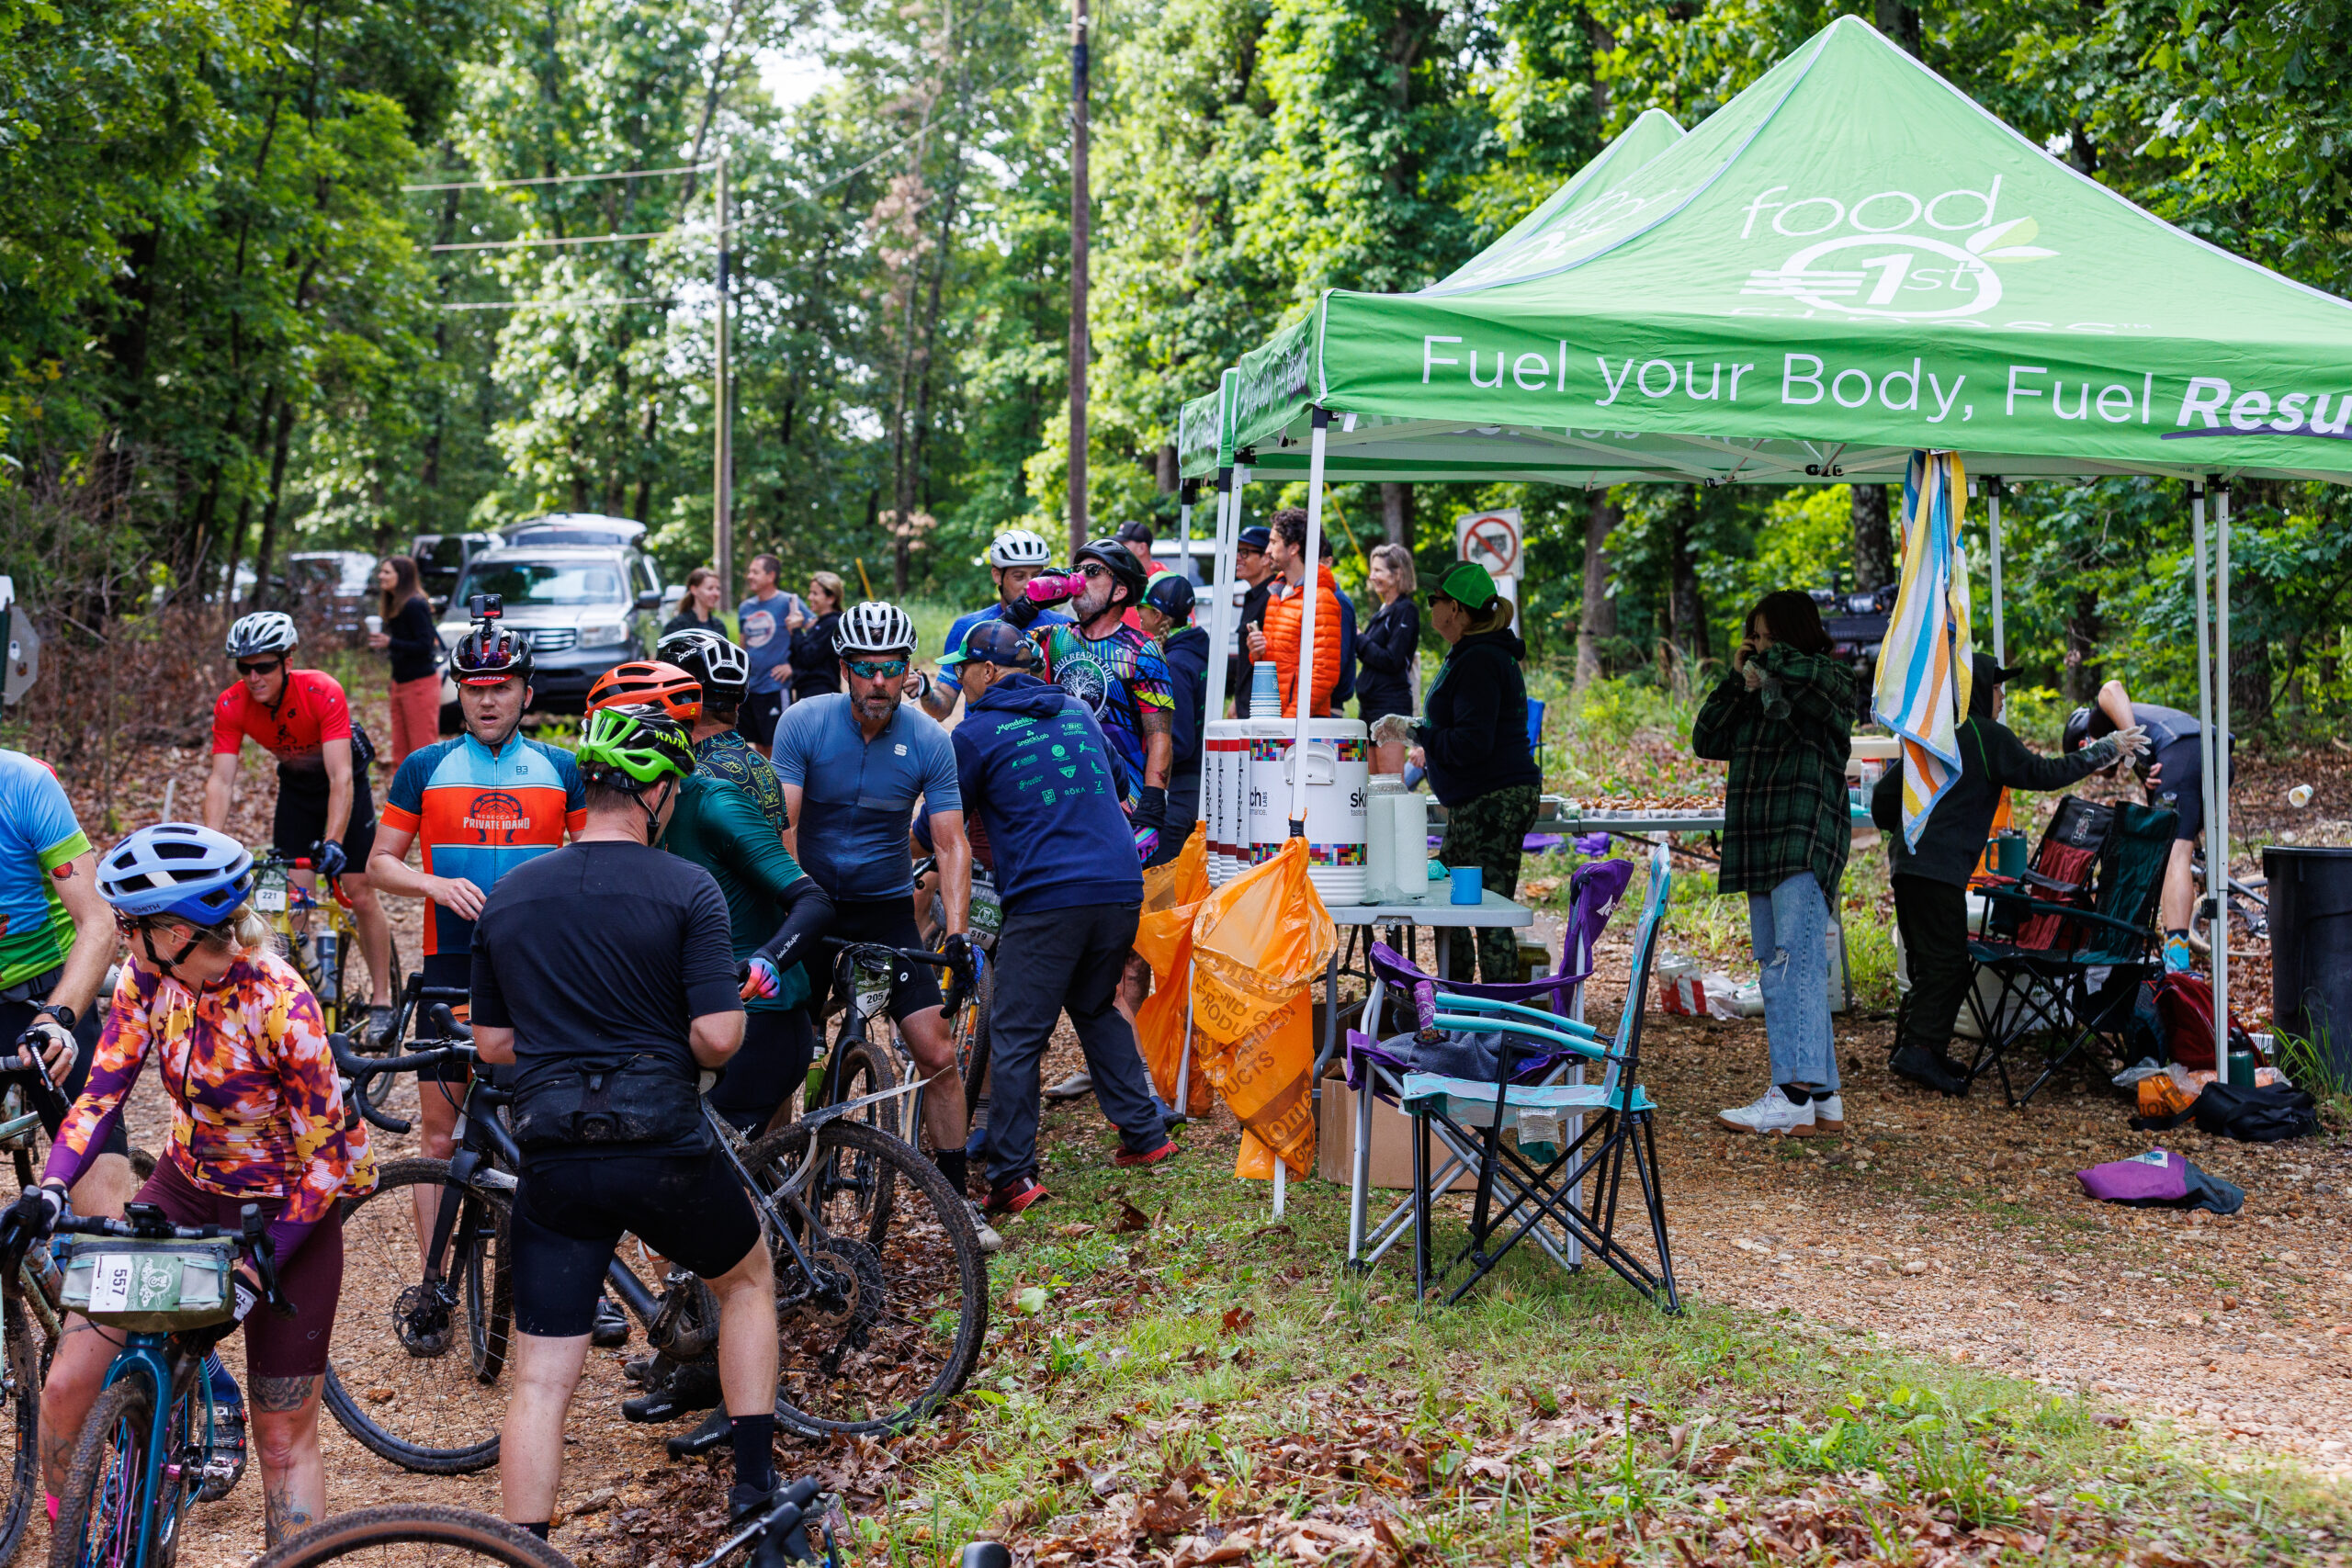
(151, 1286)
(641, 1099)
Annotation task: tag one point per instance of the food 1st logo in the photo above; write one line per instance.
(1882, 265)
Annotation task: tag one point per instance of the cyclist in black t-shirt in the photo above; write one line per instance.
(603, 973)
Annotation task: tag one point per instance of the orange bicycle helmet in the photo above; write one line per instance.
(644, 682)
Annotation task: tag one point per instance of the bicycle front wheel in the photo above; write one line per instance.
(412, 1353)
(970, 1031)
(26, 1369)
(106, 1500)
(892, 1322)
(413, 1535)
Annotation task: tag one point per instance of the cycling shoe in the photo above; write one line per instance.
(705, 1438)
(226, 1461)
(611, 1329)
(691, 1388)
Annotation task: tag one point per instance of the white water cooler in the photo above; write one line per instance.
(1339, 780)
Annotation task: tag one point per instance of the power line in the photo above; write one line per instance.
(571, 240)
(564, 179)
(555, 304)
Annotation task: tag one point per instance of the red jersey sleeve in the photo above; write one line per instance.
(229, 722)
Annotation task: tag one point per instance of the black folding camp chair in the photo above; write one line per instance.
(2067, 970)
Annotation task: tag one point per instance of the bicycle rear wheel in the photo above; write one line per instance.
(106, 1500)
(411, 1358)
(351, 1005)
(413, 1535)
(894, 1324)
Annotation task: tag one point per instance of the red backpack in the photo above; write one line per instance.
(2185, 1017)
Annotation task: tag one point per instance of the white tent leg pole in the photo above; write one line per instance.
(2217, 803)
(2205, 718)
(1282, 1185)
(1306, 694)
(1993, 491)
(1220, 590)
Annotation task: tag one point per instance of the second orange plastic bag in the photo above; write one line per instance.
(1171, 897)
(1259, 944)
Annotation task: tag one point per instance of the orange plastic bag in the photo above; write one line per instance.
(1259, 944)
(1171, 897)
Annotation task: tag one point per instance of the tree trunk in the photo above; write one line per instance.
(1900, 23)
(1690, 615)
(1165, 470)
(279, 442)
(1873, 538)
(2083, 678)
(1596, 618)
(1397, 513)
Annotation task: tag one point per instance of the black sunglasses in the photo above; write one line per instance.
(259, 666)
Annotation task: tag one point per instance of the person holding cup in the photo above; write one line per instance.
(1472, 741)
(404, 629)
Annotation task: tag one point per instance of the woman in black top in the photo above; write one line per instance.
(1386, 650)
(407, 633)
(815, 666)
(699, 609)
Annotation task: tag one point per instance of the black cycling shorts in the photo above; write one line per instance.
(2182, 782)
(449, 971)
(16, 1017)
(300, 820)
(775, 1057)
(891, 922)
(758, 715)
(572, 1209)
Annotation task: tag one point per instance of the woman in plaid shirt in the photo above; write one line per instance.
(1783, 719)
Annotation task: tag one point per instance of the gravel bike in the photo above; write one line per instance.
(881, 1289)
(30, 1318)
(413, 1535)
(325, 954)
(870, 1059)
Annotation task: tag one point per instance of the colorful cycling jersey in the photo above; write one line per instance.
(1124, 681)
(857, 795)
(38, 837)
(994, 612)
(479, 813)
(728, 757)
(309, 712)
(256, 1107)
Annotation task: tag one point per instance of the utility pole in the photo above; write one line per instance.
(1078, 222)
(722, 454)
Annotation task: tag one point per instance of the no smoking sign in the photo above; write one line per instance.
(1490, 539)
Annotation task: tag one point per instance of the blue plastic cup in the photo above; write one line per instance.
(1469, 884)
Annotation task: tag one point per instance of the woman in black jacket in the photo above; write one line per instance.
(1931, 878)
(1473, 740)
(815, 666)
(1386, 649)
(408, 635)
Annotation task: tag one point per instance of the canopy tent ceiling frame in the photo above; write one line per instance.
(1663, 275)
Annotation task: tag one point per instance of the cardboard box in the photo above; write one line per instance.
(1392, 1145)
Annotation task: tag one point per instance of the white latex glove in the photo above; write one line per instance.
(2130, 742)
(1392, 729)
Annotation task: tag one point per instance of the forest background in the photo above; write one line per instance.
(224, 334)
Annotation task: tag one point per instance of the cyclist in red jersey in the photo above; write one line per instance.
(325, 811)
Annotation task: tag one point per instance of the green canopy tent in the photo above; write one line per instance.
(1849, 261)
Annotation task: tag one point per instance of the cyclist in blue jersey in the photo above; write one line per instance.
(852, 764)
(1015, 557)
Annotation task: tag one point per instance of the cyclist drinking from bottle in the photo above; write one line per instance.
(1014, 557)
(324, 809)
(257, 1117)
(603, 973)
(852, 764)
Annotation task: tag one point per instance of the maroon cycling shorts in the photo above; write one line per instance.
(274, 1347)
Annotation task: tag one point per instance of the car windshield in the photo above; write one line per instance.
(558, 582)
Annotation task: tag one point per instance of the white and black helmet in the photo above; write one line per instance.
(1018, 547)
(876, 626)
(723, 669)
(265, 631)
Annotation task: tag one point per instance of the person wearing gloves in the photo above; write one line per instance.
(1473, 742)
(1167, 617)
(1783, 719)
(1278, 639)
(2172, 771)
(1036, 768)
(1932, 878)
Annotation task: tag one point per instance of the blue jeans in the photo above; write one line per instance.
(1789, 929)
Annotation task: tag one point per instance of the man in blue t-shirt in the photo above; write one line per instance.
(762, 617)
(852, 764)
(1015, 558)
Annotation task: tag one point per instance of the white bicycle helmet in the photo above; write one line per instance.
(876, 626)
(1018, 547)
(724, 669)
(265, 631)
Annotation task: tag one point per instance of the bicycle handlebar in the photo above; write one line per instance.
(364, 1070)
(790, 1511)
(252, 1237)
(918, 954)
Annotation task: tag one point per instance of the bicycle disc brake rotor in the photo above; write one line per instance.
(849, 1295)
(421, 1317)
(686, 1328)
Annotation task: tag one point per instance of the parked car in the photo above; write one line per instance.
(576, 528)
(441, 556)
(334, 588)
(585, 607)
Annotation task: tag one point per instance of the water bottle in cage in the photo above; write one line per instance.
(324, 946)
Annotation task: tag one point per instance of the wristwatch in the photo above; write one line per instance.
(66, 1017)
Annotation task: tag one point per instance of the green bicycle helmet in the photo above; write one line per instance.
(633, 746)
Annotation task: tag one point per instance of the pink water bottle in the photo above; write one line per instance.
(1048, 588)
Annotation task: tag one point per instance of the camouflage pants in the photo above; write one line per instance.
(1490, 833)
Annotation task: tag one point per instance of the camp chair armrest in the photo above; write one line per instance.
(2069, 912)
(1537, 1016)
(1585, 1048)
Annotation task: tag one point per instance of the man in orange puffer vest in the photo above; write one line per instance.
(1286, 612)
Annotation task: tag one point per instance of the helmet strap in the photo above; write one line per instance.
(654, 827)
(168, 965)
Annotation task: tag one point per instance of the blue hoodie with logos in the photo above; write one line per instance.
(1035, 767)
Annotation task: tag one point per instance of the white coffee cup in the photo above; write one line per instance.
(374, 626)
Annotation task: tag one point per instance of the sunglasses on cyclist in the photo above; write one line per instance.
(878, 669)
(258, 666)
(1093, 569)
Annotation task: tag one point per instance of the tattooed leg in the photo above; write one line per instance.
(75, 1374)
(286, 1436)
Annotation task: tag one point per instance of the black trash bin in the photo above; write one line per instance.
(2311, 947)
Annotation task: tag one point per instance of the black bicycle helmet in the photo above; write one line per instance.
(489, 654)
(1124, 568)
(2078, 733)
(723, 669)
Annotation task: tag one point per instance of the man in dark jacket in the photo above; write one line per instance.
(1167, 618)
(1036, 769)
(1931, 880)
(1251, 564)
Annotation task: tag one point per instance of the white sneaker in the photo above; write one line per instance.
(1072, 1087)
(1773, 1113)
(1829, 1113)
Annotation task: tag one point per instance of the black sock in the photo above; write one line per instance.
(2180, 931)
(539, 1529)
(755, 1438)
(1797, 1093)
(955, 1164)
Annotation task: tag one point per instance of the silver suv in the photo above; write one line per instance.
(586, 607)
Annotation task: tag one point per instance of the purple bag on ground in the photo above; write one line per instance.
(2160, 1179)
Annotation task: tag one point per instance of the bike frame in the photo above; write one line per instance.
(152, 1357)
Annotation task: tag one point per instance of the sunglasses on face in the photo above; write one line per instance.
(1092, 570)
(878, 669)
(258, 667)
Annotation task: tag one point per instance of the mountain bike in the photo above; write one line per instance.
(870, 1058)
(149, 1435)
(326, 955)
(30, 1318)
(881, 1289)
(2249, 907)
(967, 1017)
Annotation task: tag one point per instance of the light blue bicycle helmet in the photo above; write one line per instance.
(178, 869)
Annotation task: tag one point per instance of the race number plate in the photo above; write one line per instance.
(270, 900)
(874, 1000)
(111, 1276)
